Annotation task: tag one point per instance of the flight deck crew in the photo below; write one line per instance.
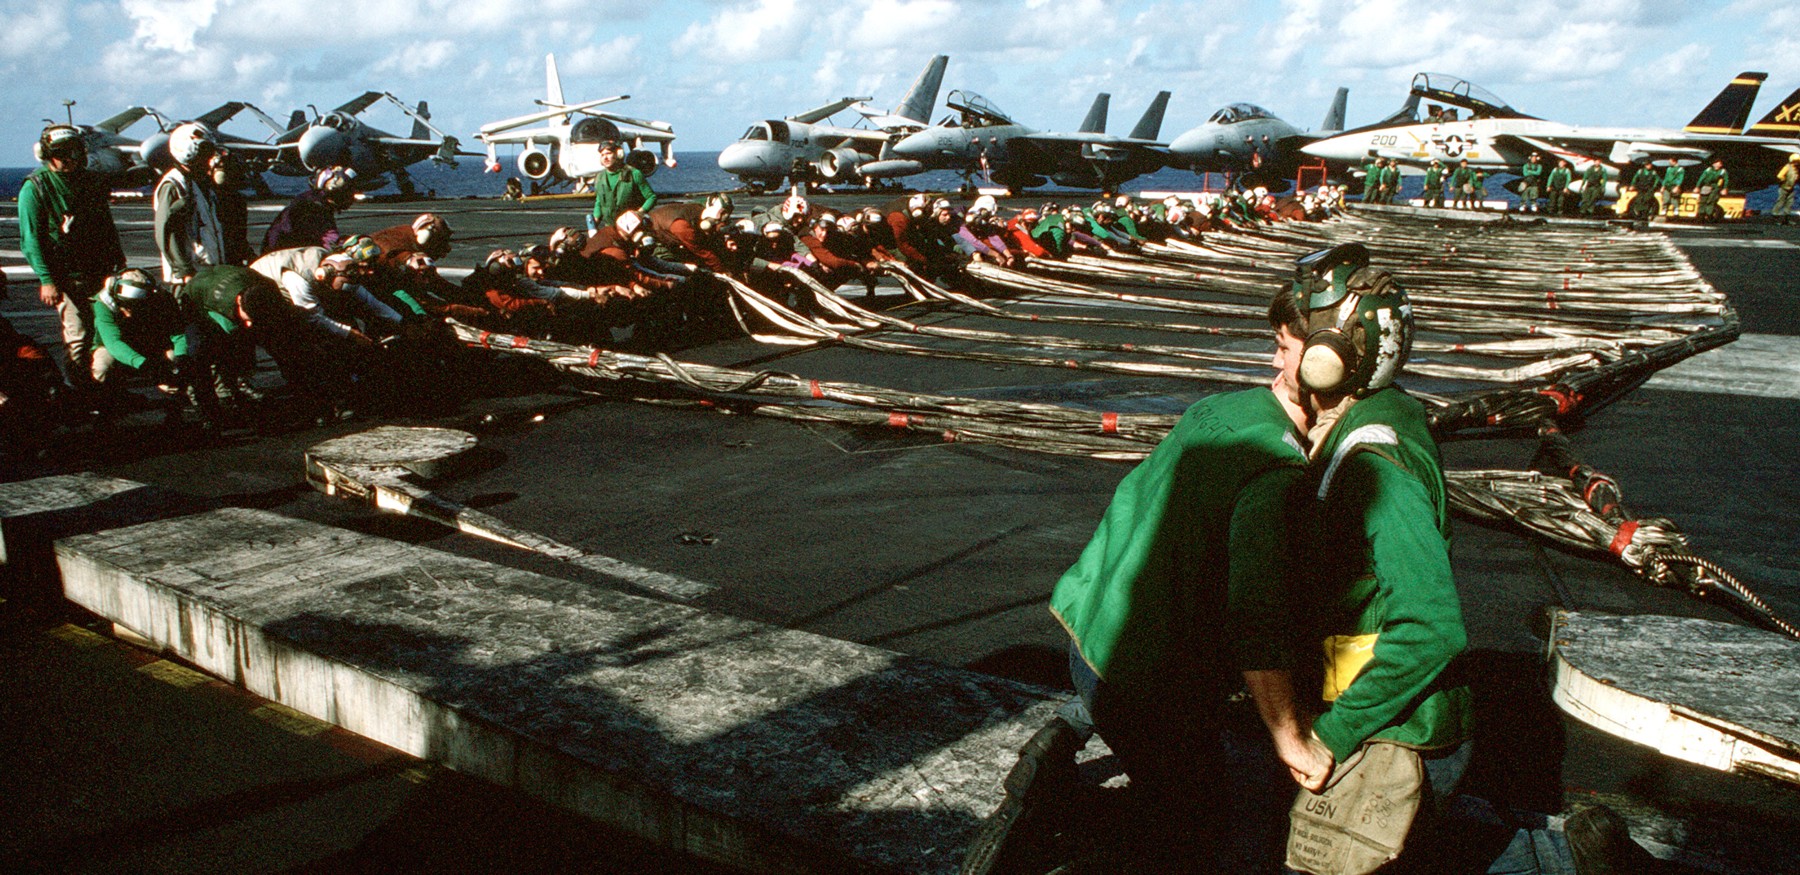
(1531, 183)
(1643, 188)
(1371, 179)
(67, 234)
(311, 218)
(1390, 181)
(189, 231)
(1785, 179)
(1558, 186)
(1462, 183)
(1714, 182)
(618, 187)
(1593, 182)
(1671, 188)
(1434, 184)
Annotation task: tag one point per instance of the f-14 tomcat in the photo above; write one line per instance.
(565, 148)
(1495, 136)
(800, 146)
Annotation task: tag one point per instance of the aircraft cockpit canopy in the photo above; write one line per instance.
(1454, 91)
(1238, 112)
(337, 121)
(976, 111)
(773, 131)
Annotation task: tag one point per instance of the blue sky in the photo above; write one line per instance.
(712, 67)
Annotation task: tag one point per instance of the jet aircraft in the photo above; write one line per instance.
(255, 156)
(776, 148)
(341, 139)
(1497, 137)
(1245, 138)
(113, 154)
(565, 149)
(982, 139)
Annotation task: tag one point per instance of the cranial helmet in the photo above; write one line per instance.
(794, 207)
(501, 261)
(129, 286)
(567, 239)
(1359, 322)
(940, 205)
(191, 141)
(916, 205)
(745, 226)
(59, 140)
(629, 224)
(1102, 208)
(359, 248)
(716, 210)
(430, 226)
(985, 205)
(333, 266)
(333, 179)
(1122, 201)
(847, 223)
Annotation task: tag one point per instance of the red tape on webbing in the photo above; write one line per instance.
(1550, 298)
(594, 358)
(949, 436)
(1623, 539)
(520, 342)
(1109, 423)
(1565, 400)
(898, 420)
(814, 386)
(483, 339)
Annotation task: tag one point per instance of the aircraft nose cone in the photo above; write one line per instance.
(745, 158)
(321, 147)
(1191, 143)
(916, 147)
(155, 152)
(1334, 149)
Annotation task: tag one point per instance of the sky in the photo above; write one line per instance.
(713, 67)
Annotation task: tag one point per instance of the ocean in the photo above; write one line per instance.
(699, 172)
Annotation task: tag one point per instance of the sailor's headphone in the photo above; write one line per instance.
(56, 139)
(1345, 353)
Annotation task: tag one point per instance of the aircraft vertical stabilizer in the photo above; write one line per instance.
(1782, 121)
(552, 82)
(1150, 126)
(1728, 112)
(923, 96)
(421, 130)
(1095, 123)
(1334, 117)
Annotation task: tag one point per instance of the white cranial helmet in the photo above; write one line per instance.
(190, 141)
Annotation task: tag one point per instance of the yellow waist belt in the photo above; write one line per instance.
(1345, 656)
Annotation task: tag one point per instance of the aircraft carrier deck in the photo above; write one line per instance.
(941, 552)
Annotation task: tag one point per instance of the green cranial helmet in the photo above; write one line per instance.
(1359, 322)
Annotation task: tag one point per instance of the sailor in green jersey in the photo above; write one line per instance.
(617, 188)
(1531, 183)
(1714, 182)
(1643, 192)
(1462, 185)
(1178, 601)
(1434, 184)
(1558, 186)
(1672, 179)
(1478, 193)
(1390, 181)
(66, 234)
(1593, 183)
(1371, 179)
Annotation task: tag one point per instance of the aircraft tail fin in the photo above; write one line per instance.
(552, 83)
(1730, 110)
(421, 124)
(297, 121)
(1334, 117)
(1095, 123)
(1782, 121)
(1150, 126)
(923, 96)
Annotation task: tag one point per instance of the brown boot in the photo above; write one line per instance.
(1600, 841)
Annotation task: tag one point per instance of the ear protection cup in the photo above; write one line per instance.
(1327, 361)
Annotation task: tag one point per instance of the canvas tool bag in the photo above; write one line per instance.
(1360, 820)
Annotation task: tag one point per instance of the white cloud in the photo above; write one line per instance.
(28, 32)
(417, 59)
(616, 57)
(169, 24)
(769, 30)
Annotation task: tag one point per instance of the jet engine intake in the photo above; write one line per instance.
(536, 162)
(644, 160)
(839, 164)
